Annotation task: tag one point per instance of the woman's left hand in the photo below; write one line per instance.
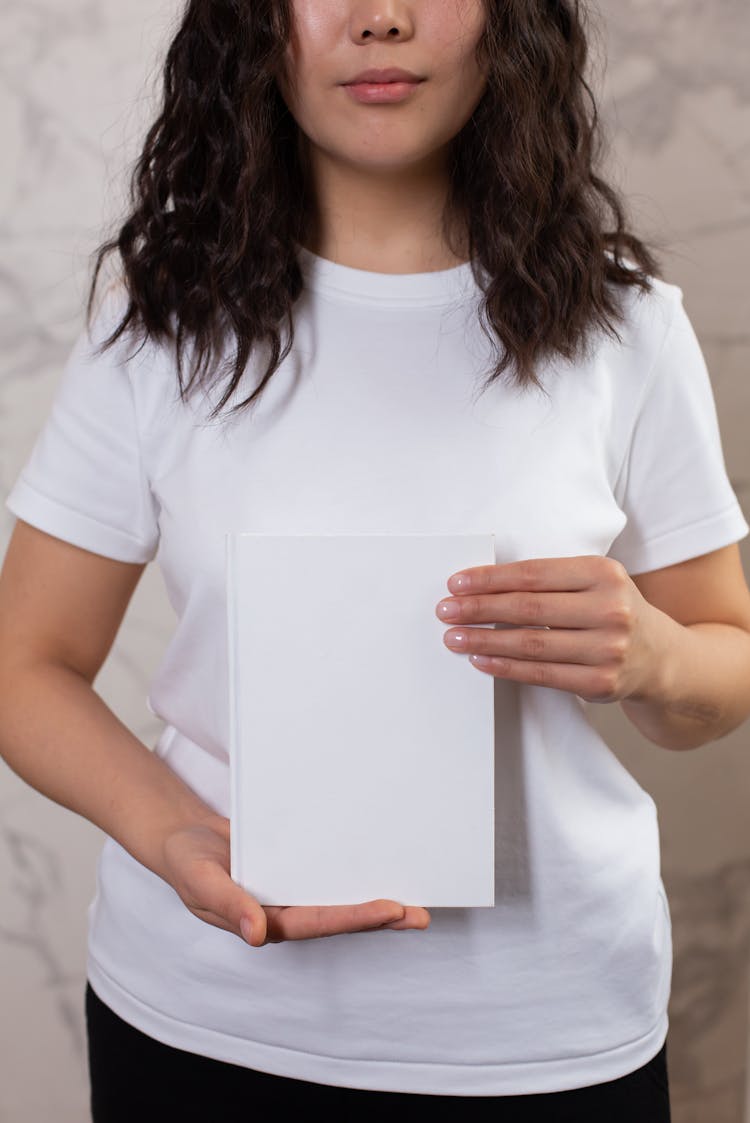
(577, 624)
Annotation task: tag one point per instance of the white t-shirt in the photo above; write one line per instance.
(375, 423)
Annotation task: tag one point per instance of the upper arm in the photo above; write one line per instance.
(711, 587)
(673, 485)
(59, 602)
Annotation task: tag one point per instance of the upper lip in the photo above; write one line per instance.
(390, 74)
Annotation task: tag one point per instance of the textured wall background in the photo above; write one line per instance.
(77, 79)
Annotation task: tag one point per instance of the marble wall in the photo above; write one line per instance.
(78, 80)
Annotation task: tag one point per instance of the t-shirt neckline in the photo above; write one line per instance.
(362, 286)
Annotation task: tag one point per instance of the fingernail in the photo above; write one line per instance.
(246, 929)
(449, 610)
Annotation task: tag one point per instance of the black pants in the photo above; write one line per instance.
(135, 1078)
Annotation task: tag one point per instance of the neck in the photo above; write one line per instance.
(385, 220)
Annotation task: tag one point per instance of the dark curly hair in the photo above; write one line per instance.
(221, 195)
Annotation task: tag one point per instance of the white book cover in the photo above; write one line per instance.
(361, 747)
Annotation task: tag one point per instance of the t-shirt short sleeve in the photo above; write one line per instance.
(84, 480)
(673, 486)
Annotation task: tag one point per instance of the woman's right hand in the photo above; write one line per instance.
(197, 865)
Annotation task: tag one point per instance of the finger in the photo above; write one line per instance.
(213, 918)
(249, 929)
(304, 922)
(533, 574)
(547, 645)
(215, 893)
(415, 917)
(555, 610)
(590, 683)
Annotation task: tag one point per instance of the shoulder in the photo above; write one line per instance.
(647, 315)
(619, 370)
(644, 329)
(108, 307)
(148, 364)
(139, 373)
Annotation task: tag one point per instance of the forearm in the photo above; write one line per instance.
(701, 690)
(59, 736)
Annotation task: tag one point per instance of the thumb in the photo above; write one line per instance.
(226, 898)
(249, 917)
(253, 923)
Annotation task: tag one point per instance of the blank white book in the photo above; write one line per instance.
(361, 747)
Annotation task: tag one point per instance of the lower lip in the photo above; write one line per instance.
(371, 92)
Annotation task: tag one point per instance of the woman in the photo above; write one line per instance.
(409, 229)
